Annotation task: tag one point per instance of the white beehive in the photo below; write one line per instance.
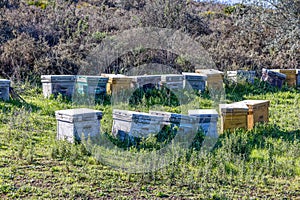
(73, 123)
(135, 124)
(172, 81)
(58, 84)
(241, 76)
(4, 89)
(207, 120)
(146, 81)
(194, 81)
(185, 123)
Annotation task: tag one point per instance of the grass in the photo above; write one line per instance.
(261, 163)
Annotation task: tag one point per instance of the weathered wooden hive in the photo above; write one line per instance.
(214, 78)
(274, 78)
(185, 123)
(117, 83)
(4, 89)
(172, 81)
(207, 120)
(74, 123)
(91, 85)
(58, 84)
(146, 81)
(291, 76)
(258, 111)
(240, 76)
(194, 81)
(233, 116)
(135, 124)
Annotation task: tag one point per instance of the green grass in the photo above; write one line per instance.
(261, 163)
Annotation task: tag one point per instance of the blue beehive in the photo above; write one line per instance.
(91, 85)
(194, 80)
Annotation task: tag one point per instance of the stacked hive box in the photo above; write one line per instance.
(185, 123)
(241, 76)
(117, 83)
(298, 77)
(73, 123)
(91, 85)
(134, 124)
(146, 81)
(258, 111)
(214, 78)
(194, 81)
(233, 116)
(274, 78)
(207, 120)
(4, 89)
(172, 81)
(291, 75)
(58, 84)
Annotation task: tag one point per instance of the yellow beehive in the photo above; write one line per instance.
(117, 83)
(291, 75)
(258, 111)
(233, 116)
(214, 78)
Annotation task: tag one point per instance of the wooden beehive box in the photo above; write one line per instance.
(241, 76)
(117, 83)
(207, 119)
(4, 89)
(73, 123)
(172, 81)
(91, 85)
(194, 81)
(135, 124)
(58, 84)
(291, 76)
(258, 111)
(233, 116)
(185, 123)
(274, 78)
(214, 78)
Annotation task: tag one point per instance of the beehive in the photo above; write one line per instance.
(291, 76)
(233, 116)
(4, 89)
(298, 77)
(214, 78)
(207, 120)
(117, 83)
(258, 111)
(241, 76)
(73, 123)
(274, 78)
(91, 85)
(134, 124)
(172, 81)
(185, 123)
(194, 81)
(58, 84)
(146, 81)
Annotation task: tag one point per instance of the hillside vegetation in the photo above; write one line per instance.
(55, 36)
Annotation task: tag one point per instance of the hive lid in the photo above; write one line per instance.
(194, 76)
(113, 75)
(4, 82)
(172, 77)
(92, 79)
(57, 78)
(79, 114)
(210, 72)
(204, 113)
(256, 102)
(146, 78)
(237, 107)
(135, 116)
(174, 117)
